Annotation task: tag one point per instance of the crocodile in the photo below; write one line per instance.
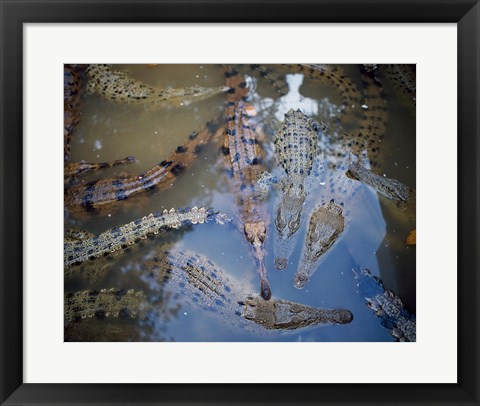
(73, 89)
(113, 240)
(401, 195)
(117, 86)
(243, 158)
(386, 305)
(403, 78)
(105, 303)
(296, 148)
(102, 196)
(325, 225)
(330, 75)
(202, 283)
(337, 198)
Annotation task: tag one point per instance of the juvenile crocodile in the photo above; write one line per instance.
(73, 89)
(105, 303)
(202, 283)
(296, 148)
(330, 75)
(386, 305)
(338, 197)
(117, 86)
(118, 238)
(402, 195)
(104, 195)
(403, 78)
(243, 157)
(325, 225)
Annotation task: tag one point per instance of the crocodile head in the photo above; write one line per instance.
(255, 233)
(287, 220)
(286, 315)
(390, 188)
(326, 224)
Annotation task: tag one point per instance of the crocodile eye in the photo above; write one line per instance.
(280, 221)
(293, 225)
(314, 236)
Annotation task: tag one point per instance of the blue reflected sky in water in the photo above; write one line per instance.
(374, 236)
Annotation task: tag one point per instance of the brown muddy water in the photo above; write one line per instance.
(374, 236)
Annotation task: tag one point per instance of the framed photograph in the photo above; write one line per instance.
(238, 212)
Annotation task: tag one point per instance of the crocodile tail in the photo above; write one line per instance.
(276, 80)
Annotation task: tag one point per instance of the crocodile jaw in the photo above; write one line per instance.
(255, 233)
(286, 315)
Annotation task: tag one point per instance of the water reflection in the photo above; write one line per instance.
(373, 238)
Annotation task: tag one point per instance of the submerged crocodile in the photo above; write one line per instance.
(338, 196)
(73, 87)
(327, 221)
(104, 195)
(330, 75)
(105, 303)
(400, 194)
(325, 225)
(296, 150)
(403, 78)
(109, 242)
(202, 283)
(117, 86)
(386, 305)
(243, 157)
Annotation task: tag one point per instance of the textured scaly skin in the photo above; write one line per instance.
(402, 195)
(73, 88)
(118, 238)
(330, 75)
(403, 78)
(102, 196)
(118, 87)
(204, 284)
(338, 196)
(243, 158)
(296, 149)
(325, 225)
(104, 303)
(386, 305)
(72, 92)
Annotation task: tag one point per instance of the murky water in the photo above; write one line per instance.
(374, 235)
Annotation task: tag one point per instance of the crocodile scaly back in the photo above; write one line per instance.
(119, 238)
(202, 283)
(243, 157)
(105, 303)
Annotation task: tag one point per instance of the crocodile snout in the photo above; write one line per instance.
(265, 291)
(343, 316)
(280, 264)
(300, 280)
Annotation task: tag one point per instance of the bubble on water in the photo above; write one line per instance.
(98, 144)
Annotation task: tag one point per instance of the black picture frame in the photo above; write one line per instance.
(14, 13)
